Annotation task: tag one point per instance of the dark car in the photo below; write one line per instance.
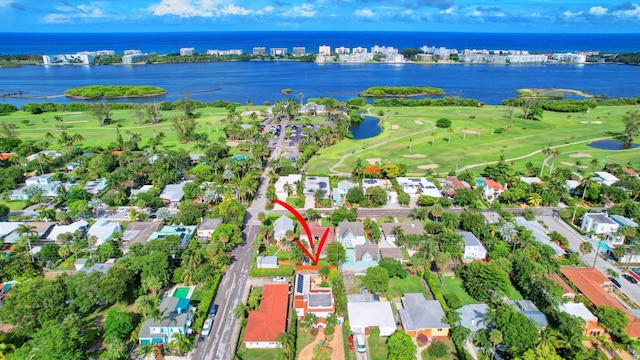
(350, 338)
(615, 282)
(630, 278)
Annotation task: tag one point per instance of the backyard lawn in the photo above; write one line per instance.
(377, 347)
(453, 285)
(450, 356)
(411, 284)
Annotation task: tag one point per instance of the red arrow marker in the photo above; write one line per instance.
(313, 257)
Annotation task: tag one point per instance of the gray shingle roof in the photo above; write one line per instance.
(355, 228)
(419, 313)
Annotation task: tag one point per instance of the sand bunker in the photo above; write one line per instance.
(580, 155)
(232, 143)
(373, 161)
(471, 132)
(591, 122)
(419, 122)
(395, 127)
(415, 156)
(249, 112)
(570, 164)
(427, 167)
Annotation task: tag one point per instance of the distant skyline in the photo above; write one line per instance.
(509, 16)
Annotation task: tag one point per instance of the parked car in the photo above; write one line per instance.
(279, 279)
(615, 282)
(630, 278)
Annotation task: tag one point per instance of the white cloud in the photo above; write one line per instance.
(598, 10)
(629, 13)
(449, 11)
(407, 12)
(304, 10)
(475, 13)
(69, 14)
(182, 8)
(570, 14)
(235, 10)
(266, 9)
(5, 3)
(366, 13)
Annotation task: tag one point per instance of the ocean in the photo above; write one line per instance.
(261, 81)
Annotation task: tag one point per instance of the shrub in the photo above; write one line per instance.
(443, 123)
(452, 300)
(438, 349)
(422, 339)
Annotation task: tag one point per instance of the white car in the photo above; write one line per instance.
(279, 279)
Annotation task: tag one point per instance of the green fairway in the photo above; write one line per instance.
(409, 136)
(30, 127)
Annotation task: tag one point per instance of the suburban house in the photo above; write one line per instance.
(567, 292)
(530, 180)
(595, 286)
(598, 223)
(579, 310)
(41, 183)
(317, 231)
(473, 248)
(383, 183)
(173, 194)
(630, 172)
(176, 318)
(94, 187)
(474, 316)
(103, 230)
(282, 187)
(185, 233)
(391, 253)
(281, 226)
(451, 184)
(142, 190)
(264, 325)
(491, 189)
(530, 310)
(267, 262)
(366, 312)
(8, 228)
(418, 186)
(422, 317)
(51, 154)
(539, 233)
(100, 267)
(316, 183)
(616, 239)
(79, 225)
(351, 234)
(139, 232)
(207, 227)
(339, 193)
(491, 217)
(604, 178)
(407, 228)
(310, 297)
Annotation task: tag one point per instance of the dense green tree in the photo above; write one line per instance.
(393, 267)
(355, 195)
(518, 333)
(465, 197)
(376, 280)
(336, 254)
(190, 213)
(376, 196)
(49, 252)
(343, 213)
(611, 318)
(401, 347)
(118, 324)
(484, 280)
(59, 341)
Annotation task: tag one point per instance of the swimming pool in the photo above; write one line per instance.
(181, 292)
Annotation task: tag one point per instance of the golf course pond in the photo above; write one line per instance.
(368, 128)
(610, 145)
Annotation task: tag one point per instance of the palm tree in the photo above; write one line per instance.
(449, 131)
(288, 341)
(180, 343)
(442, 260)
(555, 153)
(594, 163)
(419, 213)
(27, 232)
(549, 339)
(152, 284)
(241, 310)
(631, 126)
(321, 351)
(612, 273)
(586, 248)
(545, 151)
(436, 211)
(508, 232)
(145, 304)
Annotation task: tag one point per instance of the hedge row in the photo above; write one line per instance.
(207, 300)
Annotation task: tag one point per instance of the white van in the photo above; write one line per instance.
(206, 329)
(361, 343)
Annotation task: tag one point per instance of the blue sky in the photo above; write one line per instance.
(538, 16)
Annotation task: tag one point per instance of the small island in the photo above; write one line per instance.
(114, 92)
(400, 91)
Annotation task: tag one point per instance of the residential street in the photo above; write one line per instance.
(575, 239)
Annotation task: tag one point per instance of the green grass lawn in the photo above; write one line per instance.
(303, 340)
(411, 284)
(454, 285)
(378, 348)
(450, 356)
(410, 137)
(14, 205)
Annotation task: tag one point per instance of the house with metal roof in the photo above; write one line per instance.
(103, 230)
(422, 317)
(598, 223)
(473, 248)
(176, 318)
(474, 316)
(365, 315)
(281, 226)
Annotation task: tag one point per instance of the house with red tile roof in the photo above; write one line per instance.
(631, 172)
(7, 156)
(567, 291)
(492, 189)
(317, 231)
(264, 325)
(595, 287)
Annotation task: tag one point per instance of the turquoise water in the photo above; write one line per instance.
(181, 292)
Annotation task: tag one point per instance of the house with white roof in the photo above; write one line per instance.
(539, 233)
(281, 226)
(339, 193)
(418, 186)
(40, 183)
(51, 154)
(141, 190)
(94, 187)
(420, 316)
(603, 177)
(103, 230)
(207, 227)
(317, 183)
(364, 315)
(473, 248)
(310, 297)
(79, 225)
(579, 310)
(173, 193)
(407, 228)
(175, 318)
(291, 180)
(598, 223)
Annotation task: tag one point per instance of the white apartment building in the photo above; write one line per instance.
(343, 50)
(187, 51)
(324, 50)
(278, 51)
(78, 58)
(132, 52)
(570, 58)
(259, 50)
(224, 52)
(299, 51)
